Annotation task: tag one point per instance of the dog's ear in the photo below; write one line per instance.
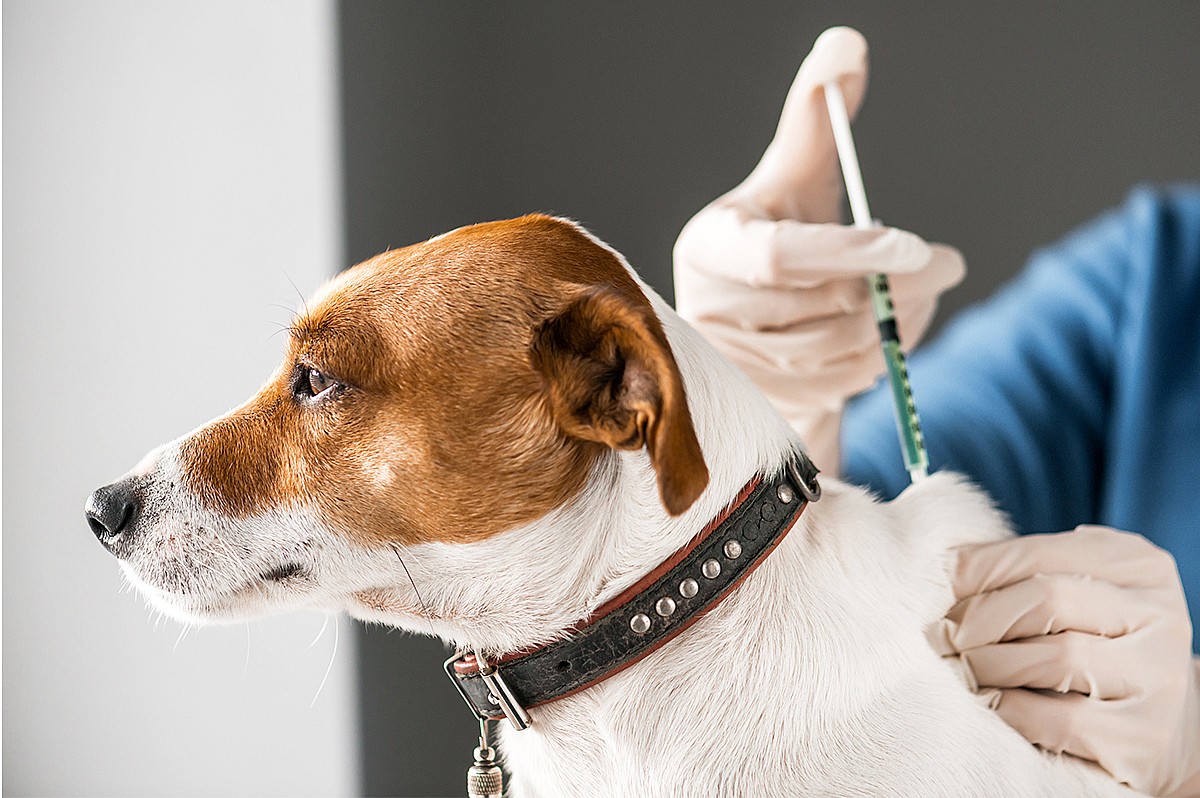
(611, 378)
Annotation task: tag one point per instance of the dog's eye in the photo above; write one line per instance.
(310, 383)
(318, 383)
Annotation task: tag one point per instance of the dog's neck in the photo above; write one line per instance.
(527, 586)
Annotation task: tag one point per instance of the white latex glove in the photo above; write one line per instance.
(1083, 641)
(773, 280)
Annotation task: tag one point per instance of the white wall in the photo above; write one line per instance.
(167, 168)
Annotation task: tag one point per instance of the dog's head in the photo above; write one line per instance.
(445, 392)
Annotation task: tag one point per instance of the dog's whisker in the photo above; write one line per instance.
(220, 541)
(291, 311)
(320, 634)
(287, 328)
(332, 657)
(421, 601)
(300, 294)
(182, 634)
(230, 555)
(246, 664)
(194, 560)
(158, 618)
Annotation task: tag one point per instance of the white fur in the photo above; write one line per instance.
(813, 678)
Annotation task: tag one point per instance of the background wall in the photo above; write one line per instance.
(170, 169)
(992, 126)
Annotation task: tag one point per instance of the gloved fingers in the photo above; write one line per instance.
(913, 319)
(795, 393)
(1046, 604)
(940, 636)
(1126, 706)
(703, 297)
(944, 270)
(707, 297)
(915, 294)
(803, 348)
(1054, 721)
(1074, 662)
(1130, 747)
(728, 241)
(1122, 558)
(992, 696)
(798, 175)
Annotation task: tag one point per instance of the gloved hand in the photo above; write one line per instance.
(773, 280)
(1084, 640)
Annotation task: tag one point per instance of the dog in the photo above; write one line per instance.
(490, 435)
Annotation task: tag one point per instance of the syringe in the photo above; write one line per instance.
(912, 444)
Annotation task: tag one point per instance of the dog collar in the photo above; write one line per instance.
(649, 613)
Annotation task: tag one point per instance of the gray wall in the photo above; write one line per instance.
(993, 126)
(167, 168)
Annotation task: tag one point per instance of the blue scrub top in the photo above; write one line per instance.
(1073, 395)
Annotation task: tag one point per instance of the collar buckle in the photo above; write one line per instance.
(502, 695)
(499, 693)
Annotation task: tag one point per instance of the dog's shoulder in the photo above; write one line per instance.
(906, 546)
(947, 509)
(932, 518)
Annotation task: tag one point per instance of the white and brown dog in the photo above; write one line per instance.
(502, 409)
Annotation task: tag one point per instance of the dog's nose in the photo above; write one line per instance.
(111, 511)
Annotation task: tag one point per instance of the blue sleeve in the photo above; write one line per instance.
(1035, 392)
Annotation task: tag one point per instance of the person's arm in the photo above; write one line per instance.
(1014, 392)
(1070, 383)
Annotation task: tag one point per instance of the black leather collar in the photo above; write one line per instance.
(649, 613)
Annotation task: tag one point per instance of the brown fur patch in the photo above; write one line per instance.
(445, 430)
